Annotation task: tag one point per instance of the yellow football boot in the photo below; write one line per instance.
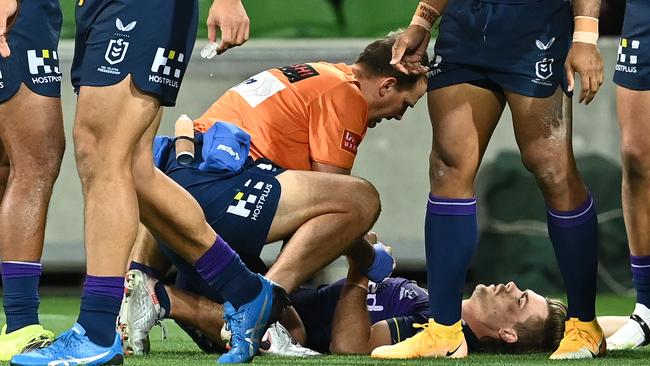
(434, 340)
(581, 340)
(23, 340)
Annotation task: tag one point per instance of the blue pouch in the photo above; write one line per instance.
(225, 148)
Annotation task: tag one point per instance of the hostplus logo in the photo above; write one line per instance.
(2, 84)
(167, 67)
(627, 59)
(44, 64)
(544, 67)
(251, 205)
(117, 47)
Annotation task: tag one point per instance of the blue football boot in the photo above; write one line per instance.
(72, 348)
(248, 323)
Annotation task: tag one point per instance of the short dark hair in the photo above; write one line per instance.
(375, 59)
(533, 335)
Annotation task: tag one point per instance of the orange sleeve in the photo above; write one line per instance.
(338, 122)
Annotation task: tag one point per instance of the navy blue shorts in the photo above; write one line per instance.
(514, 47)
(633, 61)
(33, 40)
(150, 39)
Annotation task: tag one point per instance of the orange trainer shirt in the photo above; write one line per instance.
(296, 114)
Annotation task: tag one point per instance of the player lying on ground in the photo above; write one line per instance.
(302, 117)
(353, 316)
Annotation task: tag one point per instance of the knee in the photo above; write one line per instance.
(368, 203)
(636, 161)
(98, 155)
(550, 172)
(40, 163)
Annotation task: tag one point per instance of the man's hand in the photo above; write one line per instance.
(585, 59)
(409, 48)
(7, 10)
(230, 17)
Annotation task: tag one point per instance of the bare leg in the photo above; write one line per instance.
(145, 251)
(324, 221)
(167, 209)
(108, 124)
(543, 132)
(4, 171)
(634, 121)
(31, 132)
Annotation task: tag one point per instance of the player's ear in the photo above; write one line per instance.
(387, 85)
(508, 335)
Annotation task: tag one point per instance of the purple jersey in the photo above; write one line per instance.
(397, 300)
(396, 297)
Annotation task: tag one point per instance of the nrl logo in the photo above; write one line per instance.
(543, 46)
(122, 28)
(116, 51)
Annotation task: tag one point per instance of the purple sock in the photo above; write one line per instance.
(450, 240)
(641, 278)
(20, 301)
(224, 271)
(574, 235)
(100, 305)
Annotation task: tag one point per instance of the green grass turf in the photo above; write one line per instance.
(58, 312)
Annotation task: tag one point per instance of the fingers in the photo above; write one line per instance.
(234, 34)
(212, 30)
(4, 46)
(398, 50)
(570, 76)
(226, 39)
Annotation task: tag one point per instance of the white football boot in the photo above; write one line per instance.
(635, 333)
(278, 341)
(139, 312)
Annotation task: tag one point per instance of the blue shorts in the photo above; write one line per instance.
(633, 61)
(150, 39)
(240, 207)
(503, 46)
(34, 61)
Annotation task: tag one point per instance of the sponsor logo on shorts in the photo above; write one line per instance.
(544, 65)
(297, 72)
(350, 141)
(44, 65)
(435, 68)
(2, 84)
(117, 47)
(628, 58)
(167, 67)
(252, 205)
(122, 28)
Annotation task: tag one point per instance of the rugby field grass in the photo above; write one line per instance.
(59, 312)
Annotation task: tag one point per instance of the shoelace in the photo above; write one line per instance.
(164, 332)
(234, 323)
(575, 334)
